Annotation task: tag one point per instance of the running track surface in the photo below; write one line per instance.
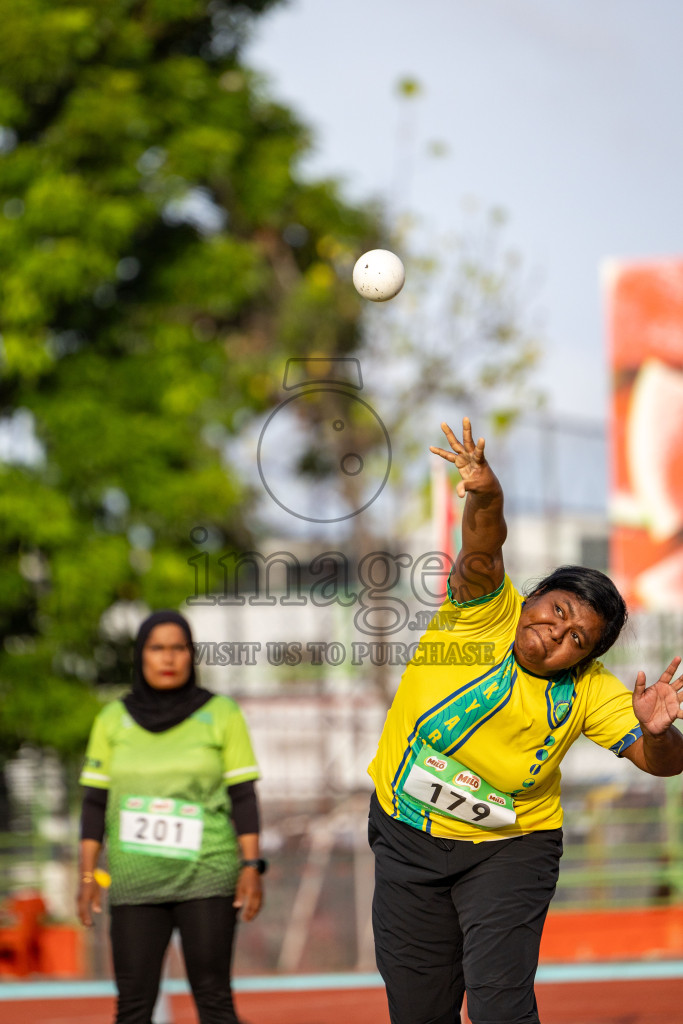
(641, 1000)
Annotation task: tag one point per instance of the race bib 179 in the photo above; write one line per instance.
(442, 784)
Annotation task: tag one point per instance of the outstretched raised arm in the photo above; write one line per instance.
(479, 568)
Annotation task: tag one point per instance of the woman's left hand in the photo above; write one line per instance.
(658, 706)
(249, 894)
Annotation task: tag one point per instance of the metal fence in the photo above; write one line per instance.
(623, 839)
(622, 848)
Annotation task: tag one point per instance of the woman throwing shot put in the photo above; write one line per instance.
(169, 776)
(465, 823)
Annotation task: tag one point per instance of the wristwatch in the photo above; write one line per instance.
(259, 863)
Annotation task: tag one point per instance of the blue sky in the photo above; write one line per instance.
(564, 112)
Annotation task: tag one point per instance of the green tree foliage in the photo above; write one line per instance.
(160, 258)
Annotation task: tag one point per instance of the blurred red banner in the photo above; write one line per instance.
(645, 332)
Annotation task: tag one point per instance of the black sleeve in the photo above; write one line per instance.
(92, 813)
(245, 815)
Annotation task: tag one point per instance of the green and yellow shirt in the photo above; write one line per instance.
(168, 828)
(464, 695)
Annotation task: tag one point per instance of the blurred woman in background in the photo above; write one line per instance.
(169, 785)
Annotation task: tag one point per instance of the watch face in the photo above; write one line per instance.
(324, 455)
(257, 863)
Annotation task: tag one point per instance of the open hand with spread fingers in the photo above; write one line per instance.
(469, 460)
(658, 706)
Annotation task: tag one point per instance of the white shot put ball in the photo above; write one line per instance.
(378, 275)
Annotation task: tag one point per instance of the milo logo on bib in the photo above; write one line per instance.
(161, 806)
(435, 762)
(467, 779)
(190, 809)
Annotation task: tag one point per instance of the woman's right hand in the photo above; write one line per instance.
(469, 460)
(88, 901)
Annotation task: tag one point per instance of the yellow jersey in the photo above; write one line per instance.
(464, 696)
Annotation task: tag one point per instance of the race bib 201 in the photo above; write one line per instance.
(160, 826)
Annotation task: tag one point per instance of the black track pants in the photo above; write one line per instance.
(139, 939)
(452, 916)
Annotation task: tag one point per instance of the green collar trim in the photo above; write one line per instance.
(475, 600)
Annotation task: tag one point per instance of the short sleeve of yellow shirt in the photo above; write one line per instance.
(464, 695)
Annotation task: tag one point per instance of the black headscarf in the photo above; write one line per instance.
(158, 710)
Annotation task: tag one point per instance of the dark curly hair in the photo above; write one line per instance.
(596, 590)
